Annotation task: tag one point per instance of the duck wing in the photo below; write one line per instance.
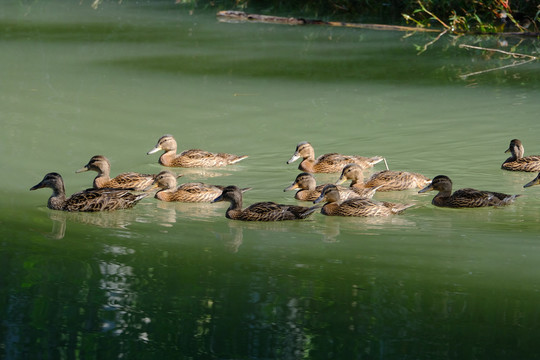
(101, 200)
(131, 181)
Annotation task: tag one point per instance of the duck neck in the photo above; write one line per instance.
(234, 208)
(517, 152)
(167, 157)
(58, 197)
(103, 176)
(442, 197)
(307, 165)
(164, 195)
(358, 184)
(330, 208)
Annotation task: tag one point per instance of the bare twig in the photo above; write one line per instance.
(433, 15)
(432, 41)
(514, 64)
(515, 55)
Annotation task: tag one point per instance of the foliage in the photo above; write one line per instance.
(490, 16)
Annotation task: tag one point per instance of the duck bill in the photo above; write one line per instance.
(152, 186)
(426, 189)
(292, 187)
(341, 180)
(507, 150)
(243, 190)
(154, 150)
(536, 181)
(293, 158)
(319, 199)
(38, 186)
(218, 199)
(85, 168)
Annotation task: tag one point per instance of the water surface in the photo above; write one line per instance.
(181, 280)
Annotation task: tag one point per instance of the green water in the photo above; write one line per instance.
(180, 280)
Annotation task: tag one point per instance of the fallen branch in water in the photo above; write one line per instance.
(530, 58)
(499, 51)
(229, 15)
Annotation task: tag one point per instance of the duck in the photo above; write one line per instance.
(86, 200)
(328, 163)
(359, 207)
(385, 180)
(464, 198)
(261, 211)
(517, 162)
(535, 181)
(191, 158)
(126, 181)
(193, 192)
(309, 190)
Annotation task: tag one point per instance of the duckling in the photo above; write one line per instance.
(328, 163)
(86, 200)
(193, 192)
(517, 162)
(191, 158)
(261, 211)
(535, 181)
(355, 207)
(125, 181)
(386, 180)
(464, 198)
(309, 190)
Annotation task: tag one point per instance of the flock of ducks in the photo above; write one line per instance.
(109, 194)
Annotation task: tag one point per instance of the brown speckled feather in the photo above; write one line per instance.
(385, 180)
(328, 163)
(87, 200)
(309, 190)
(464, 198)
(356, 207)
(261, 211)
(517, 162)
(126, 181)
(191, 158)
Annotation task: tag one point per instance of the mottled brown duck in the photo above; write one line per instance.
(464, 198)
(125, 181)
(261, 211)
(517, 162)
(193, 192)
(334, 206)
(309, 190)
(191, 158)
(385, 180)
(86, 200)
(328, 163)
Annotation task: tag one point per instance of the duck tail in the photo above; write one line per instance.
(399, 208)
(309, 211)
(236, 159)
(510, 199)
(375, 160)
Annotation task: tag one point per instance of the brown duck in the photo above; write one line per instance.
(517, 162)
(191, 158)
(328, 163)
(385, 180)
(193, 192)
(309, 190)
(464, 198)
(356, 207)
(126, 181)
(261, 211)
(86, 200)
